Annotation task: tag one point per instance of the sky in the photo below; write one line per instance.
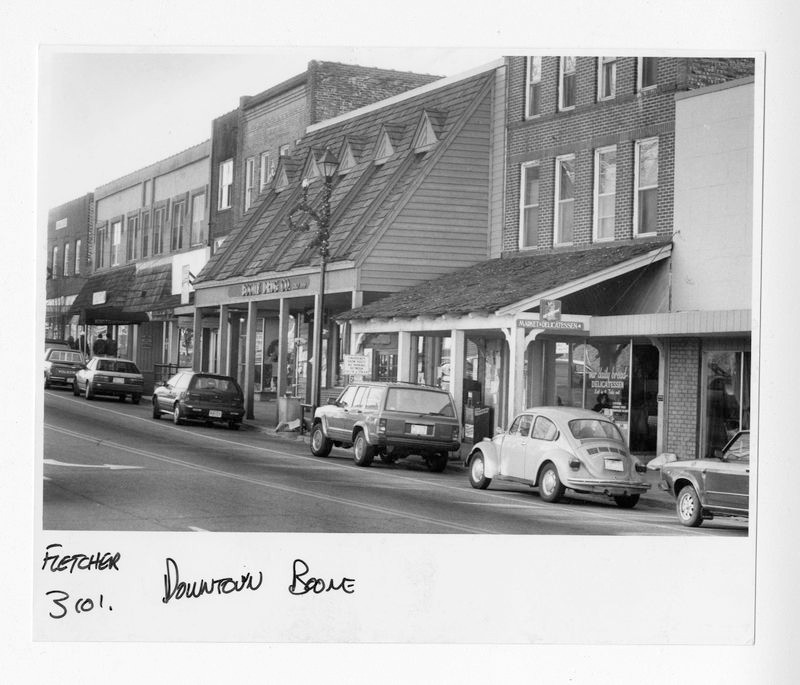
(105, 113)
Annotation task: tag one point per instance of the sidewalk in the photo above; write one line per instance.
(266, 418)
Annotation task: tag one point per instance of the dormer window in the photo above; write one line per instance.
(281, 179)
(347, 157)
(385, 148)
(426, 136)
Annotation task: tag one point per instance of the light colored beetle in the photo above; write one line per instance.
(556, 448)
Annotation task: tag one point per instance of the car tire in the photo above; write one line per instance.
(234, 425)
(156, 410)
(477, 467)
(75, 390)
(626, 501)
(88, 392)
(121, 398)
(551, 489)
(320, 444)
(136, 399)
(363, 452)
(690, 513)
(437, 462)
(177, 419)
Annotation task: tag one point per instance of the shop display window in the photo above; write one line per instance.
(725, 398)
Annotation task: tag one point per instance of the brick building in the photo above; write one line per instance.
(625, 179)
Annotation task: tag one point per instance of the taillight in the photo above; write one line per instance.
(574, 463)
(640, 468)
(103, 379)
(382, 426)
(456, 433)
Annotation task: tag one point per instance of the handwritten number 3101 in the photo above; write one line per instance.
(82, 605)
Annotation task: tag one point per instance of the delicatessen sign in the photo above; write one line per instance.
(267, 287)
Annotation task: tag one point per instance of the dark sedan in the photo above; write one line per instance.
(197, 396)
(61, 365)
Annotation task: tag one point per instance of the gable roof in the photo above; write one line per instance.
(362, 198)
(509, 283)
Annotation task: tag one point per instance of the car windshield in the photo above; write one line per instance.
(214, 383)
(420, 401)
(739, 448)
(593, 429)
(65, 356)
(116, 366)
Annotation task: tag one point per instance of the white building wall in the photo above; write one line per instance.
(121, 202)
(190, 177)
(713, 216)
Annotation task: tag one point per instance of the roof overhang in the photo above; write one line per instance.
(570, 287)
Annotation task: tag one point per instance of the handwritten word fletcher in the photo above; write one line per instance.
(175, 588)
(97, 561)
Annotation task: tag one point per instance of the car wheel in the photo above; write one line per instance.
(551, 489)
(234, 425)
(626, 501)
(121, 398)
(177, 419)
(437, 462)
(75, 390)
(363, 452)
(156, 410)
(136, 399)
(320, 445)
(477, 468)
(688, 507)
(88, 392)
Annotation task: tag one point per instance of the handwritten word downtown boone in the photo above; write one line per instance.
(279, 285)
(97, 561)
(175, 588)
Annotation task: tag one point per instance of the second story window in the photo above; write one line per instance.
(132, 241)
(146, 234)
(100, 247)
(645, 201)
(266, 171)
(116, 242)
(77, 257)
(606, 78)
(66, 259)
(565, 199)
(566, 83)
(647, 72)
(605, 192)
(533, 93)
(54, 263)
(529, 207)
(198, 219)
(225, 184)
(249, 182)
(158, 229)
(178, 219)
(283, 151)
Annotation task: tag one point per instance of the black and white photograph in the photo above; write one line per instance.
(342, 343)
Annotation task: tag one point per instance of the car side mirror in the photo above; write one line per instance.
(719, 455)
(333, 400)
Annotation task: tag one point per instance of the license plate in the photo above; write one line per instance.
(119, 380)
(417, 429)
(215, 414)
(614, 465)
(69, 379)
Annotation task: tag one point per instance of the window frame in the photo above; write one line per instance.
(557, 241)
(132, 237)
(54, 262)
(116, 242)
(201, 237)
(101, 240)
(66, 260)
(551, 426)
(562, 75)
(264, 171)
(157, 244)
(249, 181)
(596, 195)
(529, 84)
(176, 232)
(640, 87)
(146, 232)
(225, 189)
(78, 257)
(602, 62)
(637, 189)
(523, 207)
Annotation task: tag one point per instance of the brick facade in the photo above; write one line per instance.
(683, 383)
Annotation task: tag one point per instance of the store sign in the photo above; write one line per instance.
(99, 297)
(355, 364)
(543, 323)
(550, 310)
(276, 285)
(162, 315)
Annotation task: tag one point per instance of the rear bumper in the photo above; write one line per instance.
(200, 413)
(403, 443)
(62, 379)
(104, 388)
(607, 487)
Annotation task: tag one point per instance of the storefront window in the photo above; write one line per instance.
(607, 387)
(726, 386)
(381, 348)
(185, 347)
(430, 358)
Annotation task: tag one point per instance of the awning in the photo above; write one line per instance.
(511, 285)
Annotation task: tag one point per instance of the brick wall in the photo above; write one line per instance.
(336, 88)
(682, 420)
(709, 71)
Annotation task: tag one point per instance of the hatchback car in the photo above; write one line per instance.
(555, 448)
(197, 396)
(390, 420)
(60, 366)
(718, 486)
(109, 376)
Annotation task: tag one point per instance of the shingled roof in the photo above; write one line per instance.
(492, 285)
(262, 241)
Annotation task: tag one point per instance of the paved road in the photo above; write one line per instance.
(111, 466)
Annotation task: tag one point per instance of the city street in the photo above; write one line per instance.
(110, 466)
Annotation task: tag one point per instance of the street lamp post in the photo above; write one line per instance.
(300, 218)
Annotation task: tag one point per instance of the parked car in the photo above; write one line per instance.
(391, 420)
(197, 396)
(60, 366)
(109, 376)
(718, 486)
(555, 448)
(56, 344)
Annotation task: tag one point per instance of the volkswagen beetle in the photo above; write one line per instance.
(560, 448)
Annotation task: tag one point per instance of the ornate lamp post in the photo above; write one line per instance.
(300, 219)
